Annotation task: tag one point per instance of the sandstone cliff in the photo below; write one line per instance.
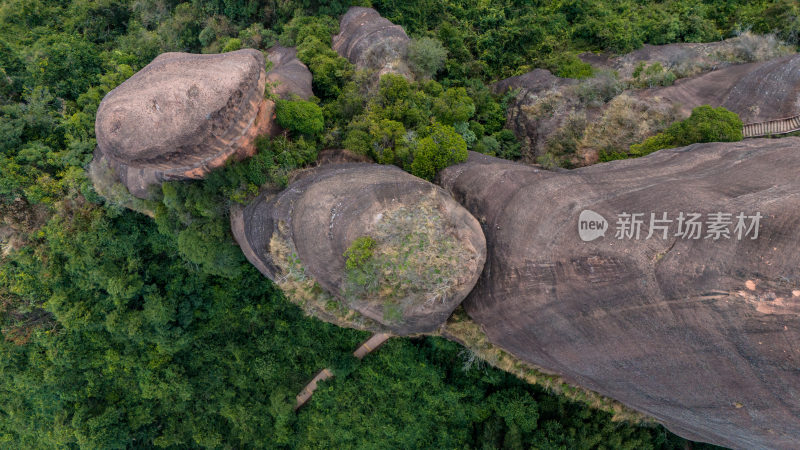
(701, 334)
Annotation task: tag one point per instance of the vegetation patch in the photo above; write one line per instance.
(706, 124)
(410, 258)
(306, 293)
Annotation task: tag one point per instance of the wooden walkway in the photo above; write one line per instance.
(772, 127)
(367, 347)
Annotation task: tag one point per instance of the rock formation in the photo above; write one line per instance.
(756, 92)
(288, 77)
(428, 250)
(700, 334)
(550, 113)
(372, 42)
(183, 115)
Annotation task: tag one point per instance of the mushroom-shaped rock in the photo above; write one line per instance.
(370, 41)
(366, 246)
(181, 116)
(288, 77)
(696, 325)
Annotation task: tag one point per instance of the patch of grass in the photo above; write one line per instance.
(306, 293)
(409, 258)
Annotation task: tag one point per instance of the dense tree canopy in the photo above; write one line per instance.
(119, 330)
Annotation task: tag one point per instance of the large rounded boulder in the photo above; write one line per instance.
(365, 246)
(181, 116)
(370, 41)
(288, 77)
(670, 283)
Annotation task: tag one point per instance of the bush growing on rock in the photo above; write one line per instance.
(706, 124)
(233, 44)
(312, 37)
(359, 252)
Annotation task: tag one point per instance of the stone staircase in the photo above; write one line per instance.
(772, 127)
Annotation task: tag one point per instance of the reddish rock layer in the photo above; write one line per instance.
(181, 116)
(703, 335)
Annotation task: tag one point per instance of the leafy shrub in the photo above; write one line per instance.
(442, 147)
(453, 106)
(233, 44)
(300, 116)
(359, 252)
(706, 124)
(568, 65)
(312, 37)
(426, 56)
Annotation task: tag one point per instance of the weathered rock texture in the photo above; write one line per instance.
(703, 335)
(288, 77)
(756, 92)
(181, 116)
(550, 114)
(298, 239)
(372, 42)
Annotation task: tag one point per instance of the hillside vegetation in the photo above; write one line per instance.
(123, 331)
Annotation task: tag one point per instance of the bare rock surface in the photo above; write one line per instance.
(298, 239)
(758, 92)
(181, 116)
(548, 110)
(184, 115)
(288, 77)
(701, 334)
(370, 41)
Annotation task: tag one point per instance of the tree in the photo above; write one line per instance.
(300, 116)
(441, 147)
(706, 124)
(453, 106)
(426, 56)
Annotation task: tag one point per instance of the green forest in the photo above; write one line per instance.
(124, 331)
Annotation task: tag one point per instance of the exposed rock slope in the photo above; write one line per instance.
(372, 42)
(757, 91)
(552, 114)
(430, 248)
(701, 334)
